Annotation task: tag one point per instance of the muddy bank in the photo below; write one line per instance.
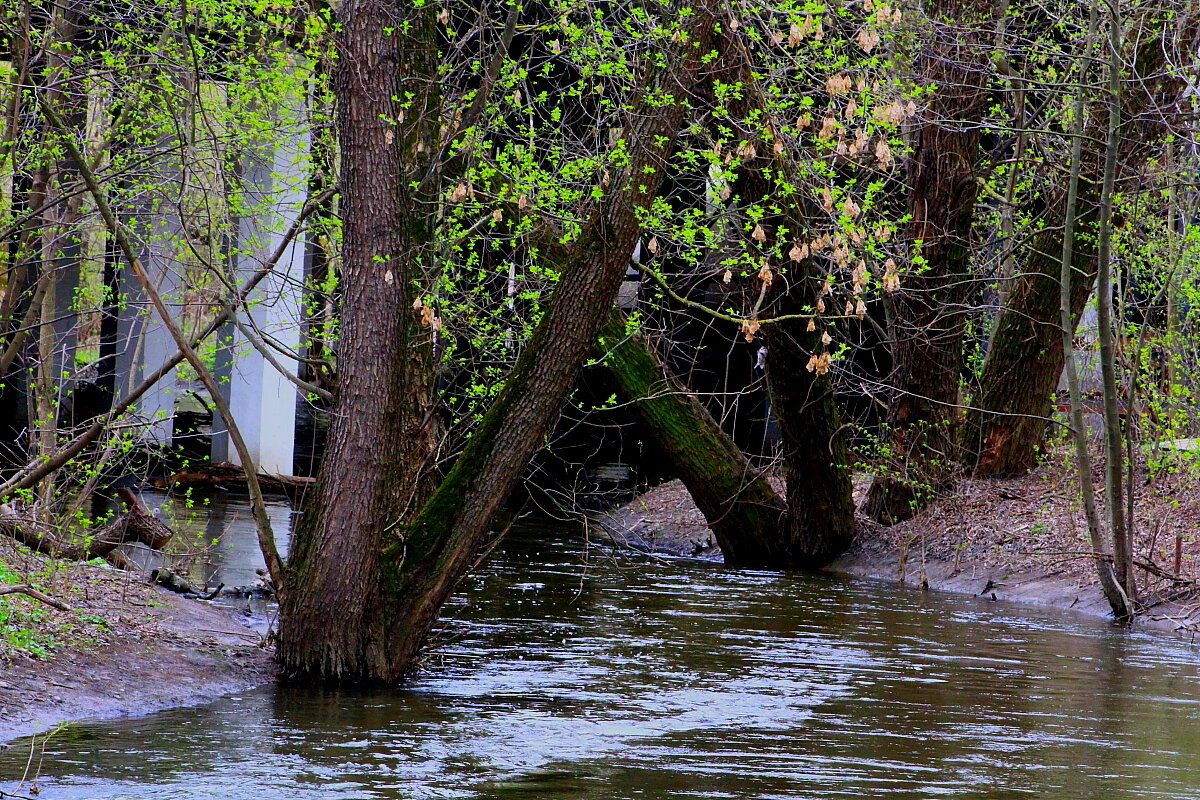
(1022, 540)
(123, 648)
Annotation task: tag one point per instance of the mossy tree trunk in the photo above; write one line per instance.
(373, 570)
(742, 510)
(927, 315)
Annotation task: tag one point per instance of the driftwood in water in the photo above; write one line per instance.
(136, 524)
(224, 475)
(170, 579)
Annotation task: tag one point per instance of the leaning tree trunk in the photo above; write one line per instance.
(1024, 363)
(927, 314)
(361, 611)
(376, 468)
(742, 510)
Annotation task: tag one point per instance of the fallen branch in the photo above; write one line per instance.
(26, 589)
(1154, 569)
(224, 475)
(135, 525)
(172, 580)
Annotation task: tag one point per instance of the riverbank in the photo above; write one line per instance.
(124, 647)
(1023, 540)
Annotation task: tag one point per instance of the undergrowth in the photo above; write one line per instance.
(29, 628)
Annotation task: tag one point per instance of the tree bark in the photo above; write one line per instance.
(374, 563)
(1024, 362)
(1117, 599)
(1114, 462)
(742, 510)
(820, 494)
(820, 523)
(377, 468)
(927, 315)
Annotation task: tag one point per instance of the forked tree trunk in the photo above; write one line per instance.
(927, 315)
(376, 469)
(820, 495)
(367, 591)
(820, 522)
(742, 510)
(1117, 598)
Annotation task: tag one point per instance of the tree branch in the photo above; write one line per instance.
(29, 591)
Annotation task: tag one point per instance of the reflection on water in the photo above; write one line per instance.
(617, 677)
(215, 540)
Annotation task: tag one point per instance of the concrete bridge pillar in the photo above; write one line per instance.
(143, 341)
(263, 401)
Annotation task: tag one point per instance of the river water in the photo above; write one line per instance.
(566, 670)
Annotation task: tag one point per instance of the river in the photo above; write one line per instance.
(567, 670)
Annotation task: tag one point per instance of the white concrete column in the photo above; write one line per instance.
(143, 341)
(263, 401)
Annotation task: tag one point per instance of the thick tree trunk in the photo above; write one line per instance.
(376, 468)
(1024, 363)
(820, 522)
(820, 495)
(366, 590)
(927, 315)
(742, 510)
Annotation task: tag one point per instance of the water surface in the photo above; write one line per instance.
(568, 671)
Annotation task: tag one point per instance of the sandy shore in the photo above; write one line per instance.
(124, 648)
